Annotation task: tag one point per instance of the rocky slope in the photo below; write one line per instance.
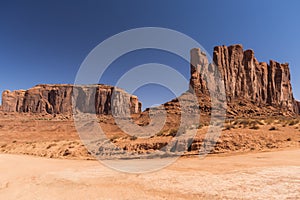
(57, 99)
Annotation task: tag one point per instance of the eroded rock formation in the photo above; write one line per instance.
(57, 99)
(12, 101)
(245, 79)
(250, 88)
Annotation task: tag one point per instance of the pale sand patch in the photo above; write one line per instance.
(270, 175)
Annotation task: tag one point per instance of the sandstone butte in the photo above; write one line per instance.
(251, 87)
(57, 99)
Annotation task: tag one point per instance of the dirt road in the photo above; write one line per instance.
(271, 175)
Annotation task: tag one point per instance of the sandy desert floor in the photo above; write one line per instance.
(269, 175)
(253, 159)
(57, 137)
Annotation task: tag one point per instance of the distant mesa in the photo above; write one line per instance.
(252, 88)
(57, 99)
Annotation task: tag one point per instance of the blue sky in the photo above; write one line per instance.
(46, 41)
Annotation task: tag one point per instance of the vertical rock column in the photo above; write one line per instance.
(12, 101)
(199, 65)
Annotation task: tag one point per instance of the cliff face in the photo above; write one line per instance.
(12, 101)
(57, 99)
(245, 78)
(251, 87)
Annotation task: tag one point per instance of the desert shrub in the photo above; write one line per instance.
(160, 133)
(278, 121)
(245, 122)
(114, 138)
(101, 120)
(293, 122)
(269, 121)
(173, 132)
(289, 139)
(236, 122)
(43, 119)
(133, 137)
(272, 128)
(252, 123)
(200, 126)
(259, 122)
(254, 127)
(228, 127)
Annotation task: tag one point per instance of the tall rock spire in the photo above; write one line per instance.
(246, 78)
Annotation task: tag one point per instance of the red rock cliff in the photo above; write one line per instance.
(245, 78)
(57, 99)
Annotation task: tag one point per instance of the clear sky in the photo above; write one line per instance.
(46, 41)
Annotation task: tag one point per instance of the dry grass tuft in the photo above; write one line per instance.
(273, 128)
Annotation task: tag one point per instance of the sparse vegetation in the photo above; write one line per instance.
(229, 127)
(200, 126)
(260, 122)
(173, 132)
(160, 133)
(51, 145)
(43, 119)
(269, 121)
(254, 127)
(273, 128)
(293, 122)
(251, 123)
(133, 137)
(101, 120)
(114, 138)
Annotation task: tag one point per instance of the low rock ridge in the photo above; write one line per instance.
(57, 99)
(245, 79)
